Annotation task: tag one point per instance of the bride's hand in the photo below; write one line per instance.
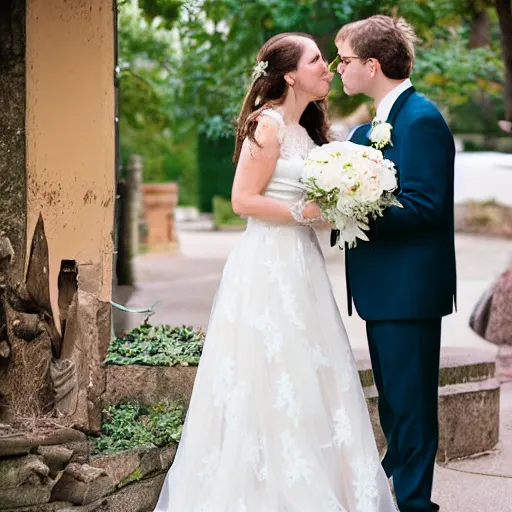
(311, 211)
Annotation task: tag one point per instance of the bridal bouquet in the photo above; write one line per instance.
(350, 183)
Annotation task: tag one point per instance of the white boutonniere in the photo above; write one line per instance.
(380, 134)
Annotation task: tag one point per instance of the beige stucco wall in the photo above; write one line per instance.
(70, 133)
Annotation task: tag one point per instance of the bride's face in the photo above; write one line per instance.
(312, 77)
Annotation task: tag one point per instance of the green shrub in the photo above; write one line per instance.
(215, 169)
(128, 426)
(159, 345)
(223, 214)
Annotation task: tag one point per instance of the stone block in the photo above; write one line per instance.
(82, 484)
(97, 506)
(55, 457)
(469, 403)
(20, 444)
(469, 417)
(150, 462)
(118, 466)
(137, 497)
(61, 436)
(81, 451)
(14, 445)
(56, 506)
(24, 481)
(167, 455)
(149, 384)
(87, 333)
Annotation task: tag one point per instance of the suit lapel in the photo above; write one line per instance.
(397, 106)
(389, 152)
(399, 103)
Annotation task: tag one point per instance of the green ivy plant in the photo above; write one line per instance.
(159, 345)
(130, 426)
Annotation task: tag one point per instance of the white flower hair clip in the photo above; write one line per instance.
(260, 70)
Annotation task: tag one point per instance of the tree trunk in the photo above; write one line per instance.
(13, 177)
(480, 30)
(504, 9)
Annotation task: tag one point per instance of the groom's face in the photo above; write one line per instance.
(352, 69)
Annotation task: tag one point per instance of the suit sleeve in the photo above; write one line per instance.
(425, 177)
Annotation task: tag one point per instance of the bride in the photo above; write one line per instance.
(277, 420)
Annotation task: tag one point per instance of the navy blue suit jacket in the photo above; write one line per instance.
(407, 269)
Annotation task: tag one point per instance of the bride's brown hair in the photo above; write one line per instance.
(282, 53)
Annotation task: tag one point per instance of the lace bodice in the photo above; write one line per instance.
(295, 146)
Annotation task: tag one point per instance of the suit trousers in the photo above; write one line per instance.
(405, 360)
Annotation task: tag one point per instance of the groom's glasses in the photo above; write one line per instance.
(344, 61)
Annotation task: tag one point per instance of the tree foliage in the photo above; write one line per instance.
(152, 121)
(185, 64)
(222, 37)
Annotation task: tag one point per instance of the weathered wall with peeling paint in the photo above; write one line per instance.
(70, 135)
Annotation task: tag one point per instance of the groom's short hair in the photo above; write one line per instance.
(389, 40)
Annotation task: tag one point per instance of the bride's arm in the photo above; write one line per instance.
(254, 170)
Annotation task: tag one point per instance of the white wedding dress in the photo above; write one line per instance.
(277, 420)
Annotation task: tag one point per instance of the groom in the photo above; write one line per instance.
(403, 280)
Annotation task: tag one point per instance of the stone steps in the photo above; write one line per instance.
(131, 481)
(469, 397)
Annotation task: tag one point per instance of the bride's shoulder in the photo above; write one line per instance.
(270, 125)
(274, 114)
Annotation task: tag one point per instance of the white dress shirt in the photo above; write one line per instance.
(386, 104)
(388, 101)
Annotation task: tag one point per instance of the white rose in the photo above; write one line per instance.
(387, 176)
(369, 191)
(375, 155)
(381, 133)
(349, 180)
(328, 178)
